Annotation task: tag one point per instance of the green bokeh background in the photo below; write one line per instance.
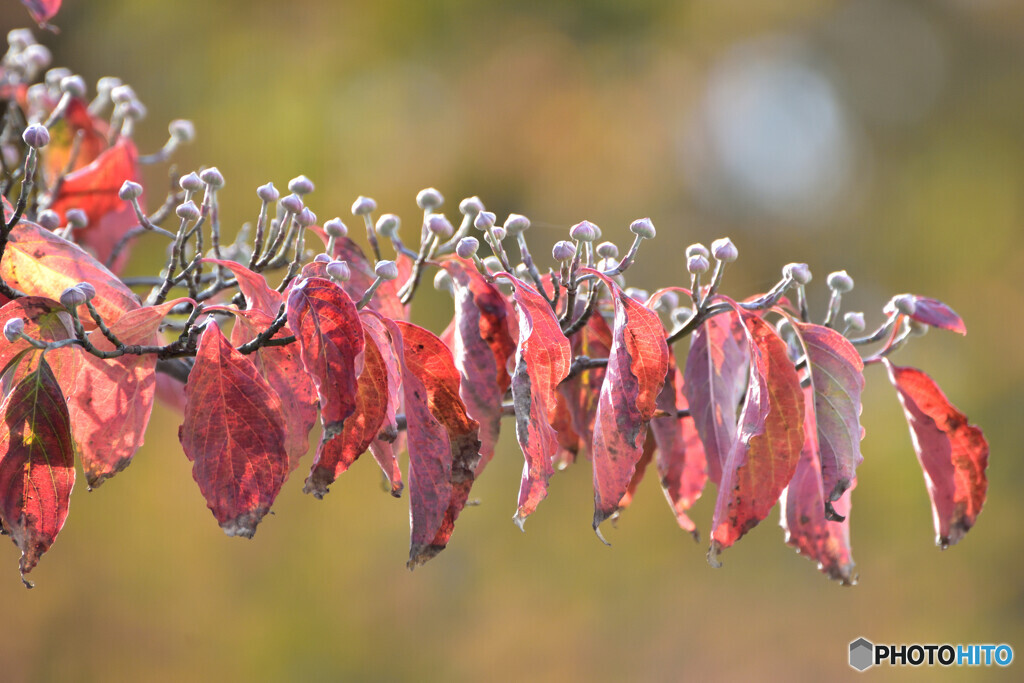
(561, 111)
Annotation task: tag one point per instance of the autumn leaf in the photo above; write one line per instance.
(40, 263)
(258, 294)
(37, 467)
(682, 465)
(330, 337)
(581, 392)
(952, 453)
(45, 320)
(111, 400)
(802, 508)
(936, 314)
(42, 10)
(763, 458)
(76, 122)
(233, 434)
(385, 300)
(384, 447)
(715, 378)
(94, 189)
(335, 456)
(637, 365)
(543, 357)
(837, 377)
(481, 347)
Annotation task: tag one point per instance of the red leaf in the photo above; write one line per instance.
(383, 447)
(715, 378)
(543, 358)
(952, 453)
(110, 401)
(937, 314)
(443, 446)
(763, 458)
(94, 189)
(39, 263)
(44, 319)
(42, 10)
(258, 295)
(837, 375)
(76, 121)
(336, 455)
(37, 467)
(637, 365)
(682, 464)
(481, 346)
(282, 367)
(233, 435)
(802, 507)
(326, 325)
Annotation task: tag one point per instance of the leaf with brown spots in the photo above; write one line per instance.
(37, 467)
(543, 358)
(952, 453)
(234, 435)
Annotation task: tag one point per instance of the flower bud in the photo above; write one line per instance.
(386, 270)
(840, 281)
(637, 294)
(293, 204)
(339, 270)
(498, 232)
(493, 264)
(607, 264)
(134, 110)
(387, 225)
(20, 38)
(584, 231)
(918, 328)
(182, 130)
(904, 303)
(854, 321)
(484, 220)
(191, 182)
(87, 289)
(268, 193)
(429, 199)
(522, 272)
(301, 185)
(122, 94)
(363, 206)
(105, 85)
(73, 85)
(724, 250)
(335, 228)
(36, 136)
(212, 177)
(48, 219)
(471, 206)
(643, 228)
(443, 282)
(668, 300)
(72, 297)
(516, 224)
(38, 56)
(305, 218)
(129, 191)
(697, 249)
(76, 218)
(188, 211)
(563, 250)
(697, 264)
(439, 225)
(607, 250)
(321, 258)
(681, 315)
(799, 273)
(55, 75)
(467, 246)
(13, 329)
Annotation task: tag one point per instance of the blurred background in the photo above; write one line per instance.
(880, 137)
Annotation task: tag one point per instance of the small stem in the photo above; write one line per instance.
(368, 294)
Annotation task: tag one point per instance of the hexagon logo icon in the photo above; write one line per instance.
(861, 654)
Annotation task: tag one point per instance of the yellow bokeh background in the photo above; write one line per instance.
(883, 138)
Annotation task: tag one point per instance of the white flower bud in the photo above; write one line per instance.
(516, 224)
(363, 206)
(129, 191)
(191, 182)
(443, 281)
(386, 270)
(48, 219)
(188, 211)
(13, 329)
(563, 250)
(339, 271)
(267, 193)
(300, 185)
(840, 281)
(799, 273)
(429, 199)
(387, 225)
(335, 228)
(467, 246)
(697, 264)
(76, 218)
(484, 220)
(724, 250)
(697, 249)
(293, 204)
(854, 321)
(212, 177)
(439, 225)
(182, 130)
(607, 250)
(471, 206)
(584, 231)
(36, 136)
(73, 85)
(643, 228)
